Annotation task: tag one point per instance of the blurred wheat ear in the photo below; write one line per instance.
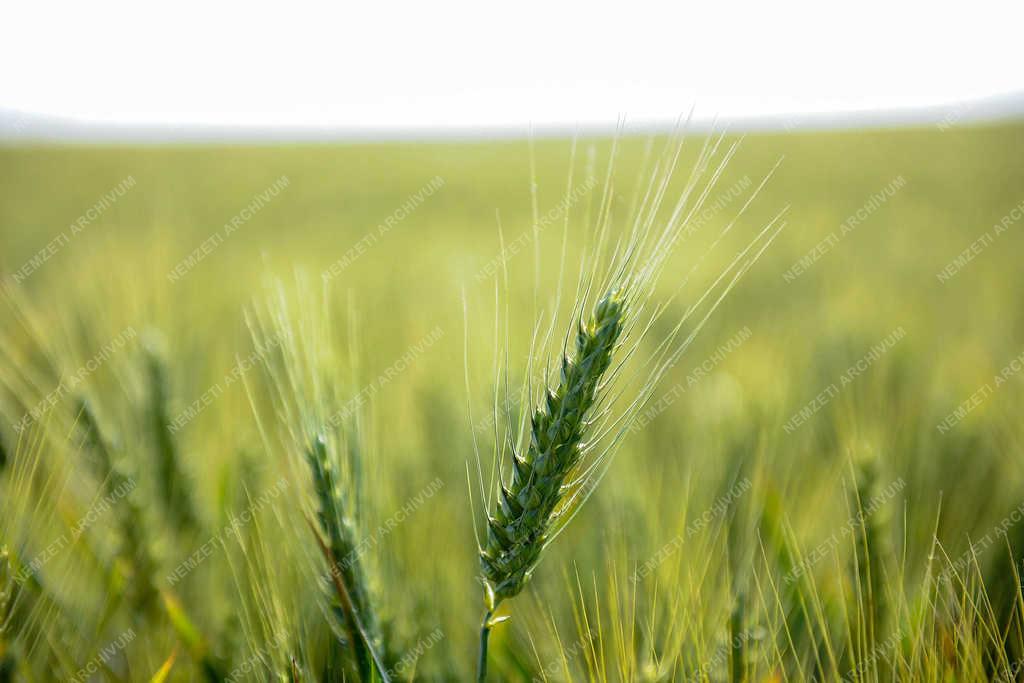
(173, 486)
(8, 664)
(873, 550)
(135, 542)
(341, 551)
(322, 435)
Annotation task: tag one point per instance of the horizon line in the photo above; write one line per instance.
(29, 128)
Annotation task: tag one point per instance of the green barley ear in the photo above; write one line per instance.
(172, 484)
(519, 527)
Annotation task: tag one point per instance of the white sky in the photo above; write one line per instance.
(475, 63)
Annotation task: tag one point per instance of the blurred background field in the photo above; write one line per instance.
(803, 332)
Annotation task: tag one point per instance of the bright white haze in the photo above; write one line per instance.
(475, 64)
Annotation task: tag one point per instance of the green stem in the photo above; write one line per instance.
(481, 664)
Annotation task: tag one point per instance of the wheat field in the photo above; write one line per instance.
(258, 403)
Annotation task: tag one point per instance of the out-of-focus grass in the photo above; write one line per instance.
(716, 430)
